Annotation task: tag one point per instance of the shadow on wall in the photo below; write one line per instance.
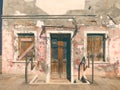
(111, 70)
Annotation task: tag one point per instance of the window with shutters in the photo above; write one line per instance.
(96, 46)
(25, 45)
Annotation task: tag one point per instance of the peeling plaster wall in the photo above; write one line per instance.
(114, 45)
(42, 45)
(112, 65)
(114, 50)
(7, 49)
(8, 54)
(9, 66)
(9, 26)
(79, 48)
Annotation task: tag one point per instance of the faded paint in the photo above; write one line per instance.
(78, 52)
(39, 23)
(53, 7)
(115, 50)
(8, 51)
(12, 27)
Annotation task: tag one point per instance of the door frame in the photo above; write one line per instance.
(48, 52)
(106, 44)
(16, 32)
(61, 67)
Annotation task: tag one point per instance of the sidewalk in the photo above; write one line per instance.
(15, 82)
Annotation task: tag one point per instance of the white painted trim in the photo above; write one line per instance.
(16, 32)
(49, 55)
(106, 43)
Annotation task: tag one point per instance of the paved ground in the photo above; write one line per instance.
(17, 83)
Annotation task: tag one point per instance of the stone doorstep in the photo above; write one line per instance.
(34, 79)
(37, 81)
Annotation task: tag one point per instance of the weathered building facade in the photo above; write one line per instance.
(57, 37)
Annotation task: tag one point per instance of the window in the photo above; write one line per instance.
(96, 46)
(25, 45)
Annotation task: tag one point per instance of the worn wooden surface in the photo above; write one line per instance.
(58, 68)
(17, 83)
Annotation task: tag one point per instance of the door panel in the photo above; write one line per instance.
(54, 58)
(58, 61)
(59, 56)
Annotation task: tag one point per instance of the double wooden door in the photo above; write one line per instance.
(60, 56)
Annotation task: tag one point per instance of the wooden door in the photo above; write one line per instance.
(96, 46)
(59, 57)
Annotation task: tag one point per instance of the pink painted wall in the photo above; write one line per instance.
(109, 69)
(11, 66)
(114, 45)
(8, 51)
(114, 49)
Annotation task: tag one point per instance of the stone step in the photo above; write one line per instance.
(59, 81)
